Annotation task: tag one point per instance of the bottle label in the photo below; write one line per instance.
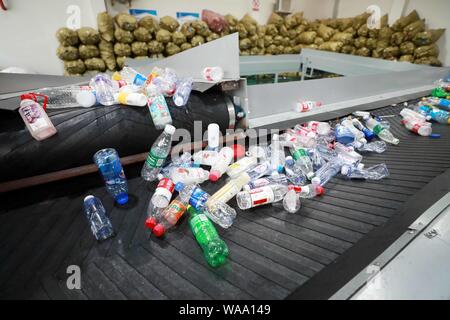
(415, 128)
(258, 183)
(159, 110)
(198, 199)
(377, 129)
(203, 229)
(112, 173)
(261, 196)
(299, 153)
(154, 161)
(165, 186)
(174, 211)
(33, 116)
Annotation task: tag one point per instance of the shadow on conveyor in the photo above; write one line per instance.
(273, 254)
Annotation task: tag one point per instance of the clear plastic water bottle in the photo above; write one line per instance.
(368, 134)
(98, 219)
(189, 175)
(293, 172)
(158, 154)
(240, 166)
(328, 171)
(183, 91)
(265, 181)
(408, 113)
(229, 190)
(259, 170)
(260, 196)
(309, 191)
(224, 158)
(205, 157)
(359, 135)
(347, 154)
(383, 133)
(183, 161)
(376, 172)
(214, 248)
(304, 106)
(108, 163)
(277, 156)
(375, 146)
(35, 118)
(262, 153)
(291, 201)
(302, 160)
(132, 77)
(163, 192)
(321, 128)
(316, 158)
(159, 111)
(65, 96)
(104, 90)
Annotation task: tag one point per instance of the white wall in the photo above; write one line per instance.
(314, 9)
(350, 8)
(27, 32)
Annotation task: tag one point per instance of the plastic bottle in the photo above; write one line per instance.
(328, 171)
(417, 126)
(376, 146)
(183, 161)
(408, 113)
(99, 222)
(291, 201)
(260, 196)
(375, 172)
(265, 181)
(171, 214)
(259, 170)
(321, 128)
(213, 74)
(35, 118)
(218, 168)
(163, 192)
(131, 76)
(302, 160)
(300, 130)
(368, 134)
(304, 106)
(293, 172)
(86, 98)
(347, 154)
(189, 175)
(240, 166)
(64, 96)
(383, 133)
(260, 152)
(218, 211)
(343, 134)
(214, 249)
(213, 137)
(316, 158)
(183, 91)
(131, 99)
(230, 189)
(309, 191)
(159, 111)
(441, 103)
(359, 135)
(158, 154)
(154, 215)
(108, 163)
(437, 115)
(277, 156)
(205, 157)
(104, 90)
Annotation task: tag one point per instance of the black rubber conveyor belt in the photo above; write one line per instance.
(272, 253)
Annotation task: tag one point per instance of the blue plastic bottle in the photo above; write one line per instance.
(183, 91)
(437, 115)
(98, 220)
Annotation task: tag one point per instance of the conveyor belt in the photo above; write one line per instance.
(272, 253)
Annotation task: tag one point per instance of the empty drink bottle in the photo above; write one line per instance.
(108, 163)
(265, 181)
(188, 175)
(302, 160)
(99, 222)
(359, 135)
(375, 172)
(131, 76)
(36, 119)
(205, 157)
(104, 89)
(277, 156)
(343, 134)
(259, 170)
(291, 201)
(368, 134)
(183, 91)
(328, 171)
(417, 126)
(159, 111)
(309, 191)
(213, 137)
(158, 154)
(376, 146)
(230, 189)
(214, 248)
(240, 166)
(260, 196)
(383, 133)
(218, 168)
(293, 172)
(437, 115)
(163, 192)
(154, 215)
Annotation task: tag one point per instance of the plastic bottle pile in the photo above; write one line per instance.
(128, 87)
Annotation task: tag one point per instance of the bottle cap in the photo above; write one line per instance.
(27, 96)
(214, 175)
(151, 222)
(435, 136)
(159, 230)
(320, 190)
(169, 129)
(239, 151)
(121, 198)
(280, 168)
(86, 98)
(179, 186)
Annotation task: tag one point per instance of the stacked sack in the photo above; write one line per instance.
(124, 36)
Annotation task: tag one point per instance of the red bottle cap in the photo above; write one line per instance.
(214, 175)
(320, 190)
(159, 230)
(151, 222)
(28, 96)
(239, 151)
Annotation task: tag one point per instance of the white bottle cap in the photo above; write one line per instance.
(169, 129)
(178, 101)
(86, 98)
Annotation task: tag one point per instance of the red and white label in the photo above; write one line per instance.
(261, 196)
(165, 188)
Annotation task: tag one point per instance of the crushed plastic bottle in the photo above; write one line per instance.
(260, 196)
(302, 160)
(158, 154)
(383, 133)
(291, 201)
(182, 92)
(359, 135)
(375, 146)
(368, 134)
(328, 171)
(214, 248)
(294, 173)
(376, 172)
(108, 163)
(161, 81)
(98, 219)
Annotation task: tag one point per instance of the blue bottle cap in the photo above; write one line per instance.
(280, 168)
(435, 136)
(139, 80)
(121, 198)
(179, 186)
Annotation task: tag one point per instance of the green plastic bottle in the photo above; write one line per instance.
(214, 248)
(440, 93)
